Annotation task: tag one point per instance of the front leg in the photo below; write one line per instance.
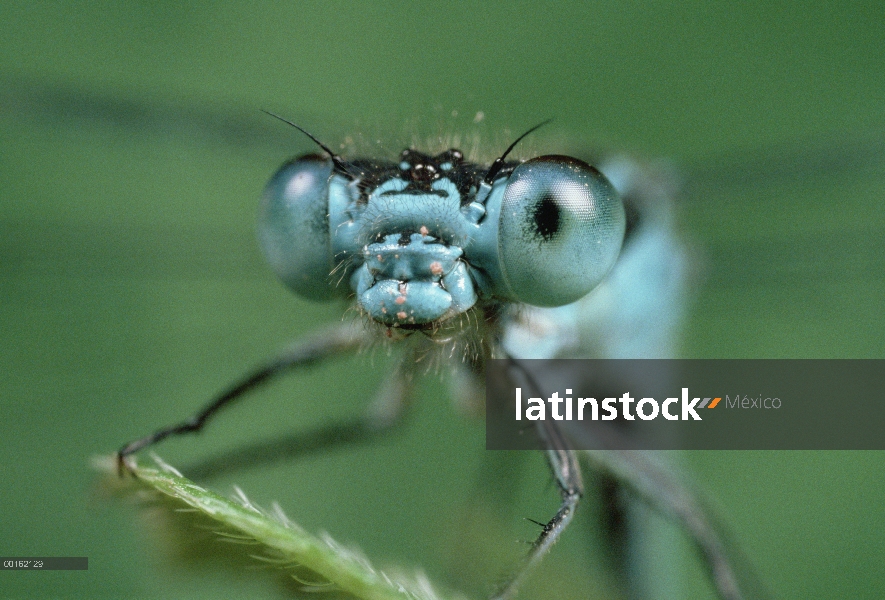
(329, 343)
(566, 473)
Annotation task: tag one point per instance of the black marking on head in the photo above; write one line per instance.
(421, 171)
(417, 192)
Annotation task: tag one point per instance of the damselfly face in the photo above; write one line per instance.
(429, 238)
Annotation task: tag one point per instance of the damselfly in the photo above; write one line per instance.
(440, 255)
(552, 326)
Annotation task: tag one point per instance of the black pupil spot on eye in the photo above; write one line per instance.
(545, 218)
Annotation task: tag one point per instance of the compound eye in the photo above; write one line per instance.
(293, 226)
(561, 228)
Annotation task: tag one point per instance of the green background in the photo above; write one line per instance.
(131, 288)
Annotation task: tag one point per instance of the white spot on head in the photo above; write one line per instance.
(401, 315)
(424, 230)
(436, 268)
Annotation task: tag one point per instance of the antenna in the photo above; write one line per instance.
(336, 160)
(499, 162)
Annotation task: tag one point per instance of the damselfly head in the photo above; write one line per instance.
(420, 240)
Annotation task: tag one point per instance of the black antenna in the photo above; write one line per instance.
(336, 160)
(499, 162)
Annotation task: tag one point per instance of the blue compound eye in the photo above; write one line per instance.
(293, 226)
(561, 228)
